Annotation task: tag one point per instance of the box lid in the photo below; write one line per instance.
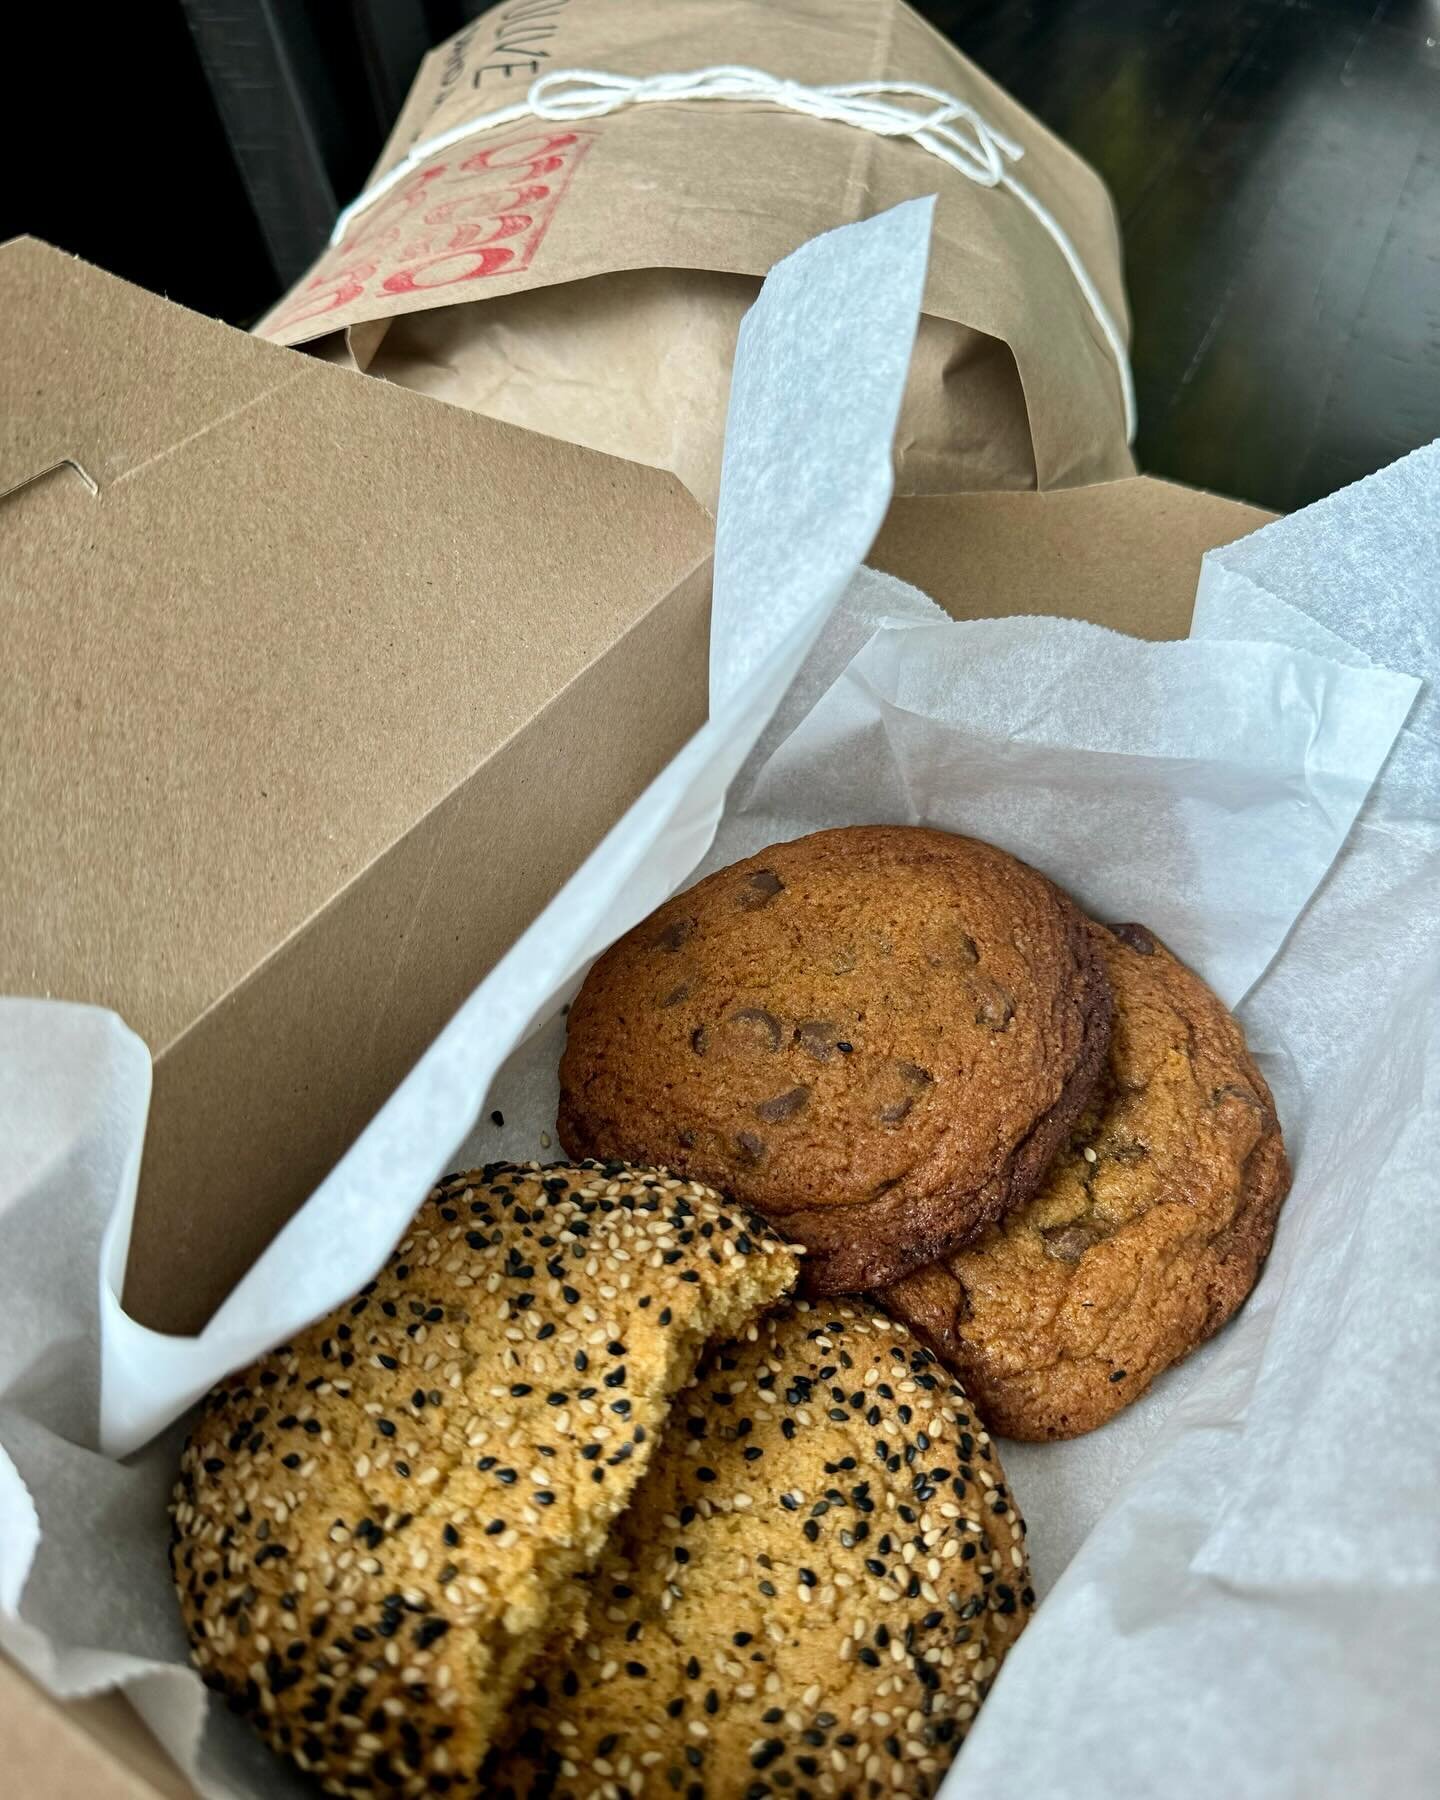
(259, 616)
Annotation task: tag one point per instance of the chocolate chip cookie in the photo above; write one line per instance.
(810, 1594)
(376, 1527)
(1147, 1234)
(877, 1037)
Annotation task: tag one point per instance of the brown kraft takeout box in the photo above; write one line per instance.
(588, 278)
(300, 728)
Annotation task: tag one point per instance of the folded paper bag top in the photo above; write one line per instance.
(280, 649)
(588, 278)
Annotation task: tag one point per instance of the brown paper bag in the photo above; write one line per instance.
(588, 279)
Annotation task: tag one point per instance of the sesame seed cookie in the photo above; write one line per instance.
(374, 1525)
(809, 1595)
(877, 1037)
(1148, 1232)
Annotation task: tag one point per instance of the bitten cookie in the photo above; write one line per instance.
(877, 1037)
(374, 1525)
(1148, 1232)
(810, 1594)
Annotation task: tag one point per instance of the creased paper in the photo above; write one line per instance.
(1229, 1562)
(1120, 768)
(1258, 1612)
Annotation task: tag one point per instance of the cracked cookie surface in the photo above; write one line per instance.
(1148, 1232)
(375, 1525)
(876, 1036)
(810, 1594)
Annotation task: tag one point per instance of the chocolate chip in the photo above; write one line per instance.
(685, 1139)
(946, 946)
(1136, 936)
(673, 935)
(817, 1037)
(754, 1029)
(1232, 1091)
(783, 1106)
(1068, 1243)
(676, 994)
(750, 1147)
(699, 1040)
(760, 889)
(994, 1008)
(900, 1084)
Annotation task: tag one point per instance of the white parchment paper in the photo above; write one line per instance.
(1206, 788)
(1258, 1612)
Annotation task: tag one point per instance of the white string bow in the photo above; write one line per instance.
(944, 126)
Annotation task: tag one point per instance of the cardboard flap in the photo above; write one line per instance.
(1125, 554)
(303, 607)
(100, 374)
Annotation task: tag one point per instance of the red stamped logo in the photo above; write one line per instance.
(448, 223)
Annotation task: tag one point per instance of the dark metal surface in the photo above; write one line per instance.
(1276, 167)
(266, 73)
